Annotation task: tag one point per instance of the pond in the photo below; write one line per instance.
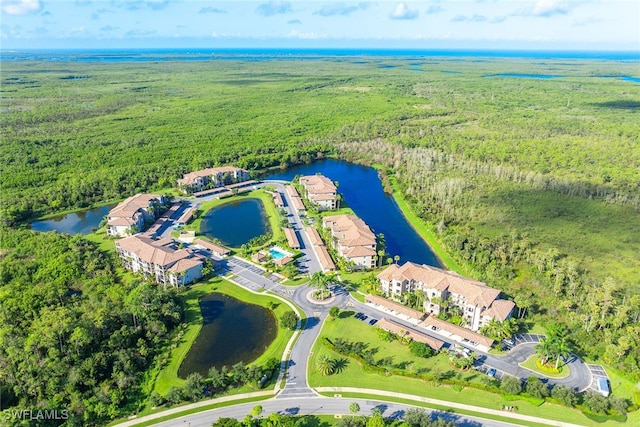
(232, 331)
(235, 223)
(362, 191)
(82, 222)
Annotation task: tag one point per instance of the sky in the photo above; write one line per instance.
(434, 24)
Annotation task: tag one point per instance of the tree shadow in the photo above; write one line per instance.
(345, 314)
(340, 364)
(403, 365)
(311, 322)
(620, 104)
(311, 421)
(458, 420)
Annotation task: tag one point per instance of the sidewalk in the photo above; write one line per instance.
(476, 409)
(196, 405)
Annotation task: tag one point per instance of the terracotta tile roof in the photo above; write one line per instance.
(397, 307)
(297, 203)
(127, 212)
(358, 251)
(191, 177)
(499, 310)
(161, 252)
(325, 259)
(212, 246)
(291, 190)
(351, 232)
(186, 216)
(456, 330)
(241, 184)
(292, 239)
(277, 199)
(314, 236)
(184, 264)
(475, 292)
(396, 328)
(317, 184)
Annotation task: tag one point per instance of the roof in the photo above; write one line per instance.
(314, 236)
(277, 199)
(161, 252)
(292, 239)
(191, 177)
(474, 291)
(351, 232)
(394, 327)
(242, 184)
(186, 216)
(211, 246)
(397, 307)
(126, 212)
(457, 330)
(185, 264)
(291, 190)
(325, 259)
(499, 309)
(297, 203)
(318, 187)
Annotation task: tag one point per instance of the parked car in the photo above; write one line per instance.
(358, 315)
(510, 341)
(373, 321)
(491, 372)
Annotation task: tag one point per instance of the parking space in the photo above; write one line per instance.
(597, 372)
(363, 317)
(490, 371)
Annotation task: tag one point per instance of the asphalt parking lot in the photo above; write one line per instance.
(597, 372)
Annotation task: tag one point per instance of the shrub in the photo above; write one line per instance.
(289, 320)
(421, 350)
(511, 385)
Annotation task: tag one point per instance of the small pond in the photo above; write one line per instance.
(362, 191)
(82, 222)
(235, 223)
(232, 331)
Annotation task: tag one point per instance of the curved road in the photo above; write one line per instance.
(297, 396)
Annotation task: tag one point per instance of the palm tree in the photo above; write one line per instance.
(321, 281)
(354, 408)
(325, 365)
(545, 349)
(562, 350)
(396, 258)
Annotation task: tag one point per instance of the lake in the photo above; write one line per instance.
(362, 191)
(82, 222)
(235, 223)
(232, 331)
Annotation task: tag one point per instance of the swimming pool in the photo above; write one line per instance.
(278, 253)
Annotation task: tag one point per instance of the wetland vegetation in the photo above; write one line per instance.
(530, 184)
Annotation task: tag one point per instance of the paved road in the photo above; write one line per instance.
(317, 406)
(580, 377)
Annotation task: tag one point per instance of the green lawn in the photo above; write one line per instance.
(168, 376)
(530, 364)
(354, 375)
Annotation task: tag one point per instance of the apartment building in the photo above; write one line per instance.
(212, 178)
(160, 260)
(352, 239)
(134, 214)
(478, 302)
(320, 191)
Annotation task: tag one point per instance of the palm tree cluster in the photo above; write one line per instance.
(554, 345)
(500, 330)
(321, 281)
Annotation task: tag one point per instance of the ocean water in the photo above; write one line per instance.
(264, 54)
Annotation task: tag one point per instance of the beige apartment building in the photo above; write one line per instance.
(134, 214)
(478, 302)
(352, 239)
(194, 182)
(320, 191)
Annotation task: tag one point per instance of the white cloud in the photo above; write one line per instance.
(402, 11)
(211, 10)
(274, 7)
(21, 7)
(343, 9)
(295, 34)
(434, 8)
(546, 8)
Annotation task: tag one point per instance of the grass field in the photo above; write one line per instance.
(168, 376)
(354, 375)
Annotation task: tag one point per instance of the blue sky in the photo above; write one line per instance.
(469, 24)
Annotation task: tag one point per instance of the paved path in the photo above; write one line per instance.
(297, 394)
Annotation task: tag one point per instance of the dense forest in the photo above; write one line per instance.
(72, 335)
(532, 184)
